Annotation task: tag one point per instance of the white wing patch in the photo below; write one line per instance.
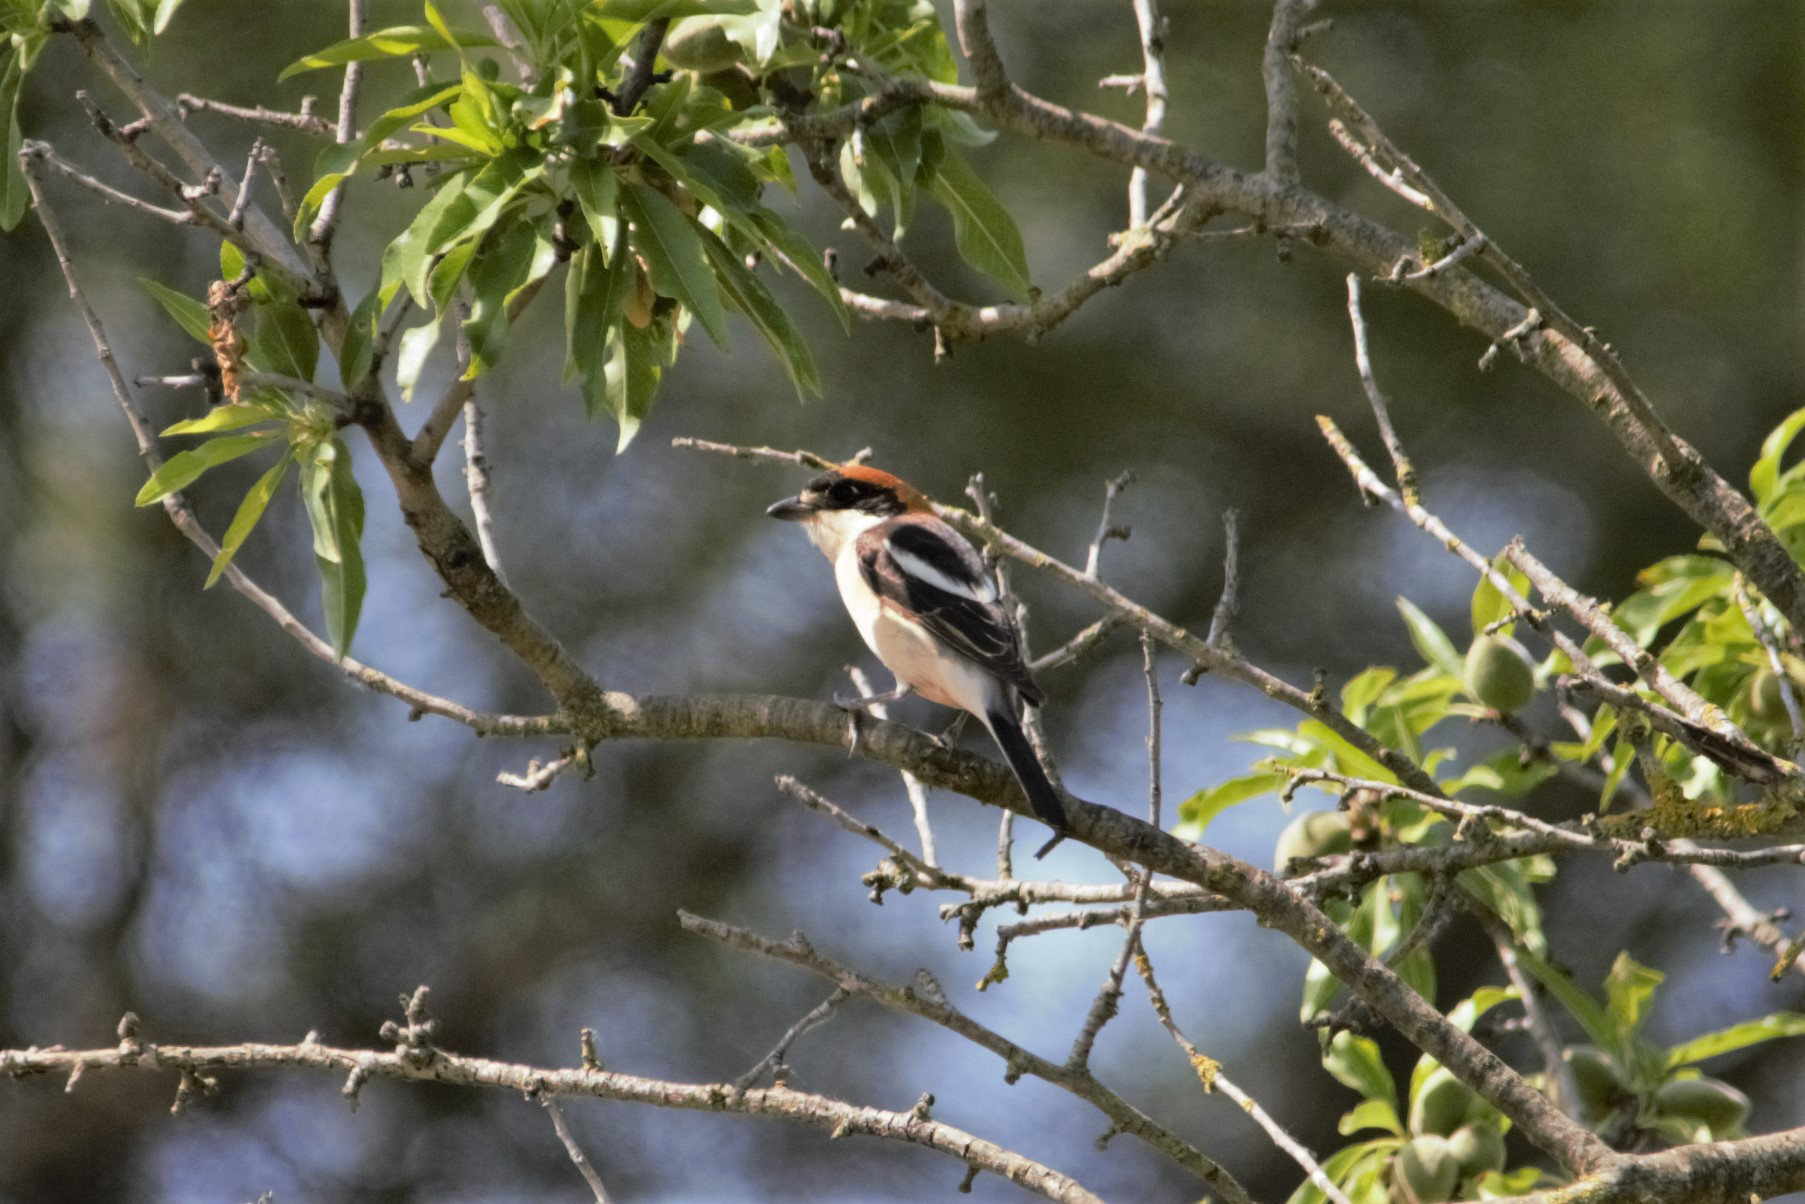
(981, 590)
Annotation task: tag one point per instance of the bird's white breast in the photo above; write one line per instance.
(906, 648)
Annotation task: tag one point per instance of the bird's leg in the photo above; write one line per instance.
(864, 702)
(854, 706)
(950, 737)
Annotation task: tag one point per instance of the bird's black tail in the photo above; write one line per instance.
(1006, 729)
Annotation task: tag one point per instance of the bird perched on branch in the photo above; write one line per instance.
(920, 597)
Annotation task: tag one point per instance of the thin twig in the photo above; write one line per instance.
(193, 196)
(1152, 28)
(1789, 693)
(235, 218)
(1075, 648)
(434, 1065)
(1551, 837)
(1400, 462)
(176, 506)
(272, 166)
(918, 793)
(1219, 660)
(513, 41)
(1464, 249)
(1105, 530)
(46, 154)
(777, 1060)
(1558, 1074)
(1228, 603)
(1209, 1073)
(1108, 1000)
(161, 115)
(588, 1171)
(325, 224)
(933, 1006)
(540, 775)
(306, 119)
(1728, 747)
(477, 482)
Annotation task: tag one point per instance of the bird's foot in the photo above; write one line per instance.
(864, 702)
(949, 738)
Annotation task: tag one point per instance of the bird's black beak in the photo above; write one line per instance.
(792, 508)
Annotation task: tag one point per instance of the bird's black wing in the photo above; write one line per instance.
(927, 569)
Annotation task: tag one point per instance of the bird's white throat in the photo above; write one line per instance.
(833, 530)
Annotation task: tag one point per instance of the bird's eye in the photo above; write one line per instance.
(844, 492)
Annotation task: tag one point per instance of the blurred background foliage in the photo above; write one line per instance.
(203, 824)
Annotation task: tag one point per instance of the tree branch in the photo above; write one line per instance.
(928, 1002)
(176, 506)
(325, 223)
(1281, 89)
(418, 1063)
(165, 120)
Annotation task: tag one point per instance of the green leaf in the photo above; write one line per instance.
(1202, 808)
(1348, 759)
(462, 212)
(1341, 1166)
(1505, 773)
(674, 256)
(1502, 1185)
(355, 352)
(1629, 989)
(750, 296)
(165, 9)
(595, 292)
(14, 195)
(1766, 473)
(502, 268)
(1432, 644)
(131, 18)
(726, 173)
(1320, 984)
(1372, 1114)
(1623, 755)
(1489, 604)
(410, 357)
(896, 143)
(335, 510)
(651, 10)
(249, 511)
(284, 340)
(448, 272)
(338, 161)
(184, 468)
(1365, 689)
(985, 233)
(408, 258)
(395, 42)
(633, 375)
(1581, 1006)
(597, 185)
(803, 259)
(229, 418)
(189, 314)
(1506, 890)
(1355, 1062)
(1737, 1036)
